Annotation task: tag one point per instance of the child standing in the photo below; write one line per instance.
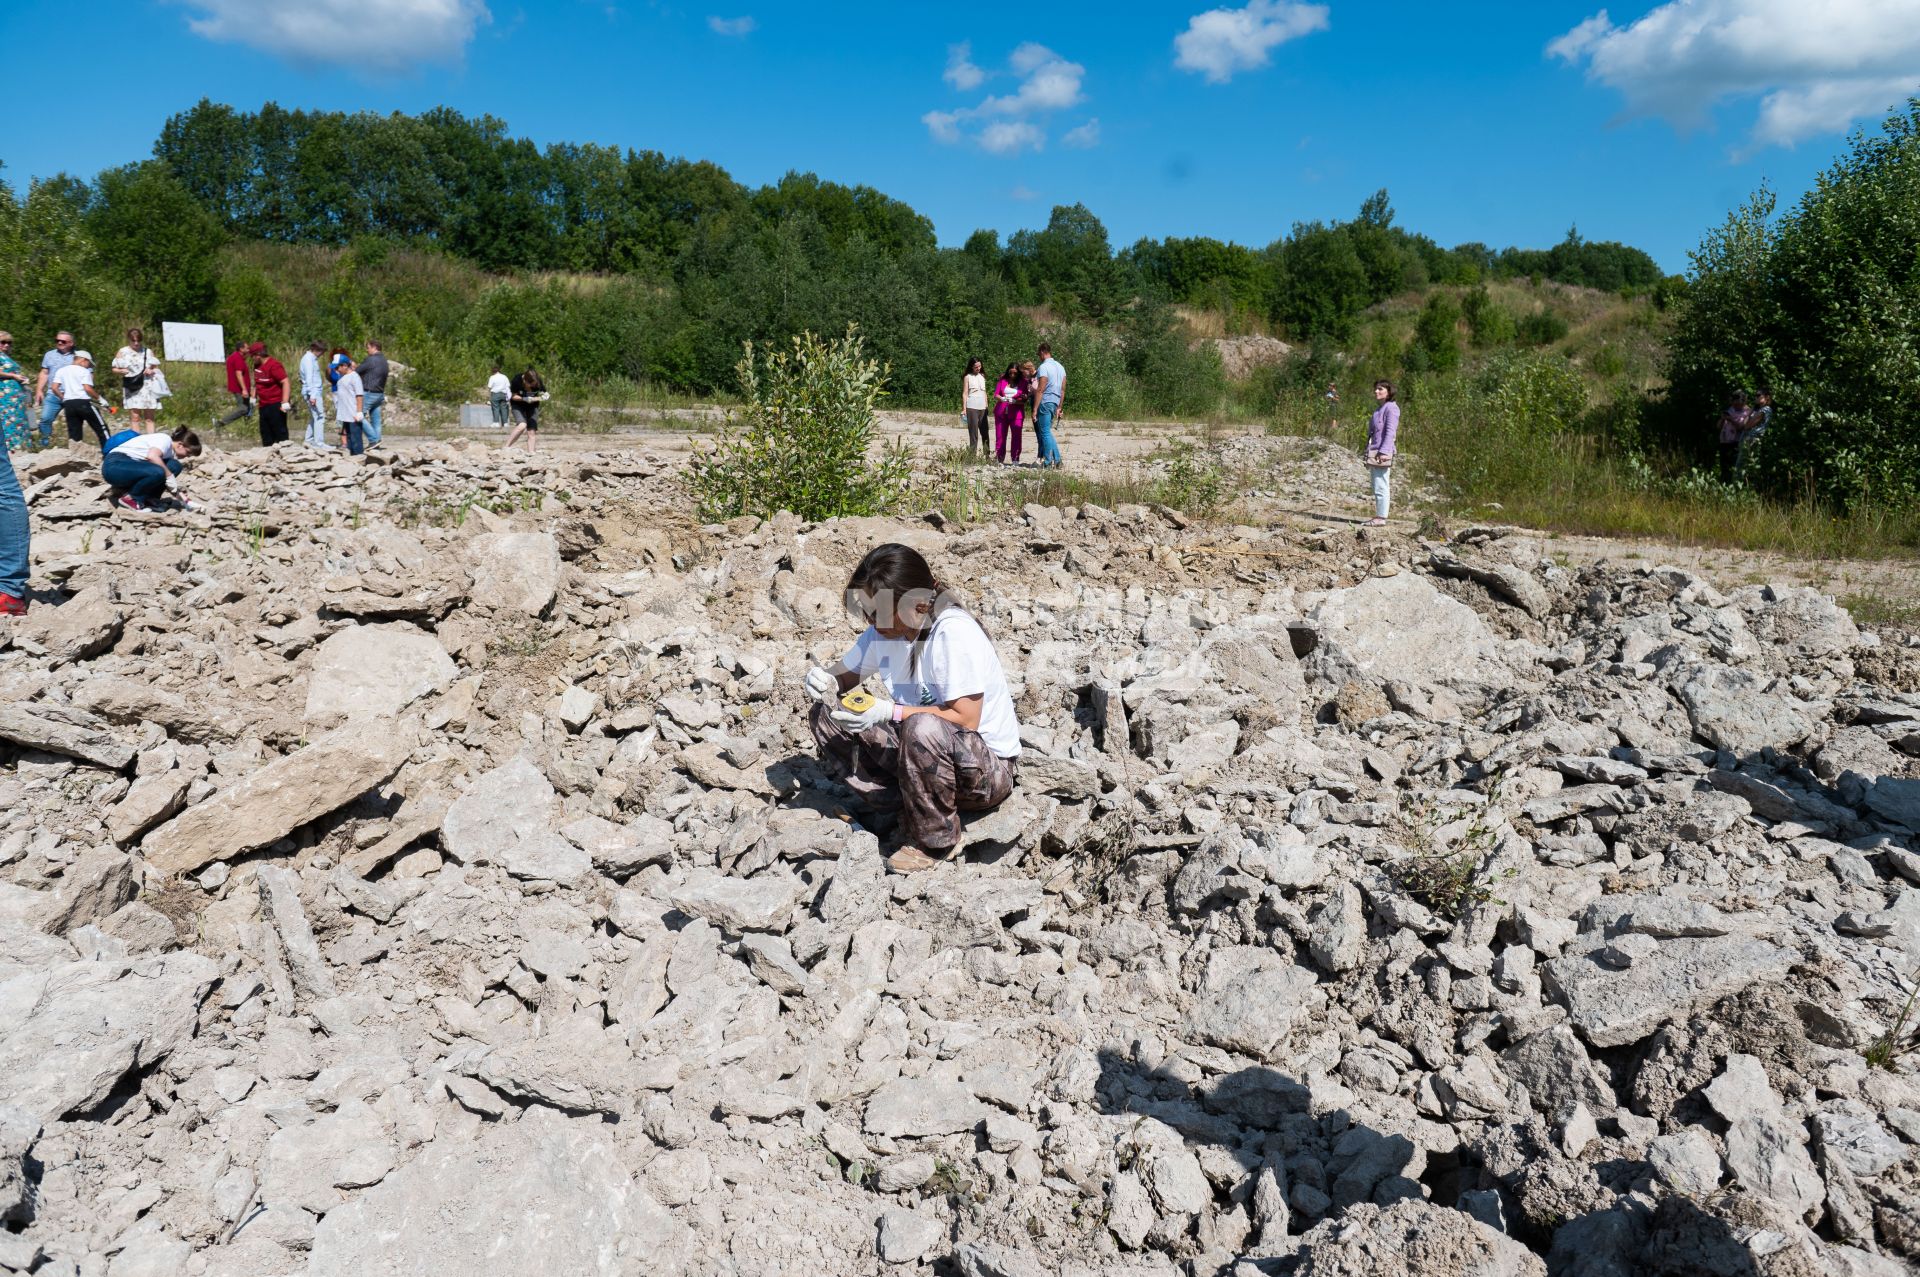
(74, 385)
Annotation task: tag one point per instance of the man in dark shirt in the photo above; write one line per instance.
(270, 385)
(240, 382)
(373, 381)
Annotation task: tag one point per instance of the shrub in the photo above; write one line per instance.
(1541, 328)
(800, 441)
(1488, 322)
(1532, 396)
(1436, 335)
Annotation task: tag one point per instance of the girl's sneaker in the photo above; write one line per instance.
(11, 605)
(131, 502)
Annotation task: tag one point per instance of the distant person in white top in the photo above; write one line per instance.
(499, 395)
(973, 405)
(74, 386)
(1052, 380)
(313, 390)
(944, 738)
(350, 406)
(141, 382)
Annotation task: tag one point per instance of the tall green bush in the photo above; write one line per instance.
(1824, 305)
(802, 439)
(1436, 334)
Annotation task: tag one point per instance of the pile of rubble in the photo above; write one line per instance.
(418, 865)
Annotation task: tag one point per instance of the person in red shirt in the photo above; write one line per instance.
(240, 383)
(270, 387)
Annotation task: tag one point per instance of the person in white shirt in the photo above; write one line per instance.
(139, 468)
(350, 406)
(945, 737)
(499, 392)
(973, 405)
(74, 386)
(311, 390)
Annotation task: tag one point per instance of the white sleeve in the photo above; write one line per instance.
(957, 661)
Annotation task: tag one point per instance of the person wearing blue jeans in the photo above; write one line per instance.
(143, 464)
(49, 404)
(1053, 395)
(373, 381)
(14, 558)
(311, 390)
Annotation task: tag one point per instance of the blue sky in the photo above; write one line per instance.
(1498, 122)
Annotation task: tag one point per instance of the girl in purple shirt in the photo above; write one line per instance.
(1381, 431)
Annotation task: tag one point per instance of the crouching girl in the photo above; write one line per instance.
(944, 741)
(138, 466)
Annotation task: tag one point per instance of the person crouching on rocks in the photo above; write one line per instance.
(142, 464)
(947, 739)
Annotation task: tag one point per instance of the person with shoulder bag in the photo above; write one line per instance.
(141, 381)
(1382, 431)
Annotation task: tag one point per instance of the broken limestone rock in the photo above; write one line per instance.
(69, 1033)
(515, 571)
(1612, 1006)
(374, 671)
(274, 801)
(505, 819)
(536, 1195)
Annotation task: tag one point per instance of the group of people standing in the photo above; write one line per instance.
(65, 387)
(358, 389)
(1038, 390)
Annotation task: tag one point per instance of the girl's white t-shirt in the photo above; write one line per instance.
(499, 385)
(141, 447)
(976, 390)
(957, 659)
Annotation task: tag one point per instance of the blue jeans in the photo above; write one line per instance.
(49, 413)
(144, 481)
(316, 423)
(1043, 434)
(374, 400)
(13, 530)
(1382, 489)
(356, 433)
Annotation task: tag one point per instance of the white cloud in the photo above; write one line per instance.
(944, 125)
(329, 31)
(742, 26)
(1814, 68)
(1220, 42)
(1009, 137)
(1084, 137)
(961, 73)
(1023, 193)
(1009, 122)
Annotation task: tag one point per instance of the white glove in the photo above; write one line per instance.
(857, 721)
(820, 684)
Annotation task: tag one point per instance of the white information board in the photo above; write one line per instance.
(195, 343)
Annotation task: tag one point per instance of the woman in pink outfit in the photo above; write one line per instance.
(1009, 413)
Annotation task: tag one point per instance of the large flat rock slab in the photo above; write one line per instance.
(540, 1195)
(375, 671)
(1612, 1006)
(69, 1033)
(282, 796)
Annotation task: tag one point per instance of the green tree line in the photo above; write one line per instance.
(687, 263)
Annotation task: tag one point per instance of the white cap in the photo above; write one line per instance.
(81, 354)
